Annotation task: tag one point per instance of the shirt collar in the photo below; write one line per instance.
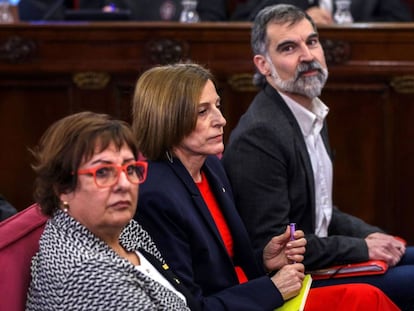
(309, 120)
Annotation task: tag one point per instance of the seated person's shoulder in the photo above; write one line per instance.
(6, 209)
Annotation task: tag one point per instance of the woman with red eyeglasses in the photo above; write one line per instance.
(92, 256)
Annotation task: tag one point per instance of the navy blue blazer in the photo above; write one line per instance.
(271, 175)
(173, 211)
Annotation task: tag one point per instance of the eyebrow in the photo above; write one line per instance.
(218, 99)
(313, 35)
(280, 46)
(97, 161)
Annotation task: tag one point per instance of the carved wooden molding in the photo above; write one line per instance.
(336, 52)
(91, 80)
(403, 84)
(242, 82)
(16, 49)
(167, 51)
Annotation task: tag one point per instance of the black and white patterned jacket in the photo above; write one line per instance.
(74, 270)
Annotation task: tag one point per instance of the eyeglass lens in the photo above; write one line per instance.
(108, 175)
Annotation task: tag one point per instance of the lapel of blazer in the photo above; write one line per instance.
(224, 197)
(244, 255)
(325, 139)
(198, 200)
(172, 278)
(299, 141)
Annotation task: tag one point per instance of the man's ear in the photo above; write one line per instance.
(262, 65)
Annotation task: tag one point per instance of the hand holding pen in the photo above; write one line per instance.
(295, 248)
(283, 249)
(292, 228)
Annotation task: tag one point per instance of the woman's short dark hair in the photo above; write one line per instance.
(65, 145)
(165, 106)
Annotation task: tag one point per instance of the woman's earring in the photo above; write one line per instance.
(65, 206)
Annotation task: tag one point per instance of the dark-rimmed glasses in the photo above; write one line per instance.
(107, 175)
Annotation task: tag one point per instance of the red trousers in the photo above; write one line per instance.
(349, 297)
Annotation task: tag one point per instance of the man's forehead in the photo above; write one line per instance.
(290, 32)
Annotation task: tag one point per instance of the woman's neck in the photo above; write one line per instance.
(132, 257)
(192, 163)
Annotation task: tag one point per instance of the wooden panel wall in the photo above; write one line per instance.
(50, 70)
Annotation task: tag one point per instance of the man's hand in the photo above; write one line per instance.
(385, 247)
(281, 251)
(320, 16)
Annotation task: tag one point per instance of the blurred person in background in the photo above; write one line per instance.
(141, 10)
(322, 11)
(6, 209)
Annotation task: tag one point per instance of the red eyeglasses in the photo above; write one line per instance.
(107, 175)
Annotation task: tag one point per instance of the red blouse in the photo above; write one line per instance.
(220, 222)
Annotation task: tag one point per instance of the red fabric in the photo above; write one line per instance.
(216, 213)
(349, 297)
(76, 4)
(241, 275)
(220, 221)
(19, 241)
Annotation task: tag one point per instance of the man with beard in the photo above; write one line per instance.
(279, 161)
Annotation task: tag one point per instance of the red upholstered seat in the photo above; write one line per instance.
(19, 241)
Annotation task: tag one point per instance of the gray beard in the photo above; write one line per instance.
(310, 87)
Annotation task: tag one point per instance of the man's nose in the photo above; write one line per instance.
(306, 54)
